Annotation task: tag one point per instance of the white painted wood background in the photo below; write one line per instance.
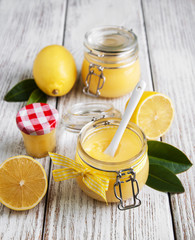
(166, 34)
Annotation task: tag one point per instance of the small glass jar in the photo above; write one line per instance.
(126, 176)
(111, 65)
(37, 123)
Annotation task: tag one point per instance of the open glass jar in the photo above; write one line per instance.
(126, 175)
(81, 113)
(111, 65)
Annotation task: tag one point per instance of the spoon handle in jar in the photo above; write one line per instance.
(135, 97)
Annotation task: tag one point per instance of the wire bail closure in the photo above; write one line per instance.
(101, 80)
(136, 201)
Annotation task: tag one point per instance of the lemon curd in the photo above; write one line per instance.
(118, 81)
(96, 144)
(39, 146)
(111, 65)
(131, 154)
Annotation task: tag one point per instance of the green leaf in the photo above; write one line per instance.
(21, 91)
(162, 179)
(168, 156)
(37, 96)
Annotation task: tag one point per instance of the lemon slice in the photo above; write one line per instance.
(23, 183)
(153, 114)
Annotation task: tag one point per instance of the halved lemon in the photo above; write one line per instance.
(154, 114)
(23, 183)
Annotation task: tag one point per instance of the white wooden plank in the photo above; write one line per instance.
(170, 31)
(71, 214)
(26, 27)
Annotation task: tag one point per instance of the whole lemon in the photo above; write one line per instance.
(54, 70)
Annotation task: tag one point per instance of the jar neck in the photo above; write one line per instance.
(135, 166)
(111, 60)
(97, 164)
(107, 45)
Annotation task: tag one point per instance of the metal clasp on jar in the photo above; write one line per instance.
(95, 119)
(88, 80)
(135, 191)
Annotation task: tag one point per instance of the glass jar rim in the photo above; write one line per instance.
(95, 162)
(111, 40)
(79, 114)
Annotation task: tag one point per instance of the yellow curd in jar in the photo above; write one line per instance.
(111, 63)
(131, 153)
(37, 123)
(118, 81)
(39, 146)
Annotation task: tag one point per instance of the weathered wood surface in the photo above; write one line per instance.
(167, 29)
(171, 34)
(70, 213)
(26, 27)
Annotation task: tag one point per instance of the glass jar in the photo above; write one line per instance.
(111, 65)
(79, 114)
(37, 123)
(126, 176)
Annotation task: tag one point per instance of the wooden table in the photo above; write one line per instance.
(165, 31)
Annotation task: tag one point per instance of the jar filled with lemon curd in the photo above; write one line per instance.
(37, 123)
(127, 171)
(111, 64)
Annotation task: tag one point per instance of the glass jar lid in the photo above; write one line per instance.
(111, 39)
(80, 114)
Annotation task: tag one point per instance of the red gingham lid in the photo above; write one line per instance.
(37, 119)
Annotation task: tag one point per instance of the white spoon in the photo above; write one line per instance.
(135, 97)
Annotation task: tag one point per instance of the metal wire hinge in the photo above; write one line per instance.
(101, 80)
(135, 191)
(95, 119)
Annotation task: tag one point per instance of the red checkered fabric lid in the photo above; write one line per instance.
(37, 119)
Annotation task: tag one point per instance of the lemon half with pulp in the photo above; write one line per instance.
(154, 114)
(23, 183)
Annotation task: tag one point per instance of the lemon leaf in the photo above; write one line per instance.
(21, 91)
(162, 179)
(168, 156)
(37, 96)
